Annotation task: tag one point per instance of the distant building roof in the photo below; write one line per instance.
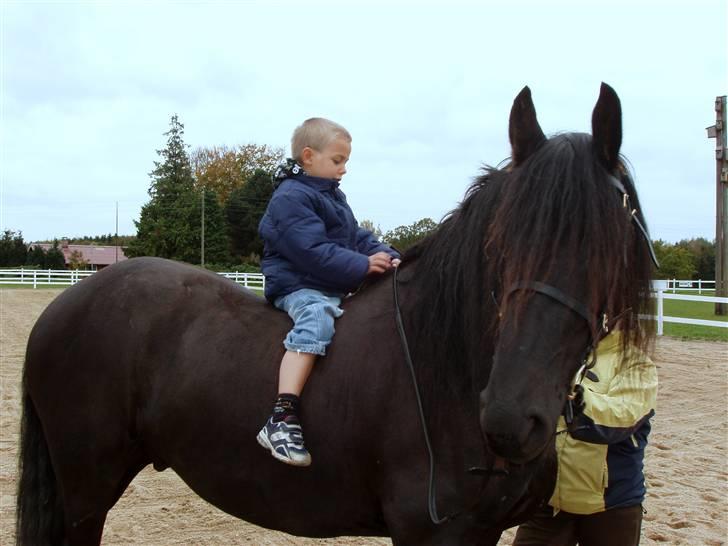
(94, 255)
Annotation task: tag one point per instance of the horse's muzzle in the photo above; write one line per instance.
(513, 432)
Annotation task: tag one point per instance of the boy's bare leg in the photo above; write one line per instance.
(295, 369)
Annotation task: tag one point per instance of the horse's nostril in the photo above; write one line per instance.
(517, 440)
(538, 427)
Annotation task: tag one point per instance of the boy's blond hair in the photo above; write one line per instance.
(316, 133)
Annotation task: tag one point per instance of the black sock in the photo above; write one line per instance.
(286, 405)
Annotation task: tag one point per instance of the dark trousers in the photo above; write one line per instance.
(618, 526)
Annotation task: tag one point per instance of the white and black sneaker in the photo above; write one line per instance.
(284, 440)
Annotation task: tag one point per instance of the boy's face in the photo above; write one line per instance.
(329, 162)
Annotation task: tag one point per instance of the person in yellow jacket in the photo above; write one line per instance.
(600, 484)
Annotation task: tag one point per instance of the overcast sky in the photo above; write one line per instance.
(425, 88)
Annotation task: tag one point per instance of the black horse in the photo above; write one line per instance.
(152, 361)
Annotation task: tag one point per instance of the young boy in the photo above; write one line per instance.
(314, 254)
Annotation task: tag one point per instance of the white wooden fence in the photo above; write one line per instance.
(43, 277)
(660, 290)
(663, 290)
(698, 286)
(62, 277)
(248, 280)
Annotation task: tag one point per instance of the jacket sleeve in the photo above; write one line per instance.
(614, 414)
(367, 244)
(301, 238)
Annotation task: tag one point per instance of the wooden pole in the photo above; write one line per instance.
(202, 243)
(718, 131)
(116, 235)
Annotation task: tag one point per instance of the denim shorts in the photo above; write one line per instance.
(313, 315)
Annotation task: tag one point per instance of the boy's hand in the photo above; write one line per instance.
(379, 263)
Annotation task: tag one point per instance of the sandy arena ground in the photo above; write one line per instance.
(687, 460)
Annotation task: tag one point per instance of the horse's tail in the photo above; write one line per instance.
(39, 510)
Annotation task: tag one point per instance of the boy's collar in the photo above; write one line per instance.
(291, 169)
(288, 169)
(317, 182)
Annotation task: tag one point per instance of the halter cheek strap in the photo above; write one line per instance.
(614, 181)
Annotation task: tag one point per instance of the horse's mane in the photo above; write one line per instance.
(556, 216)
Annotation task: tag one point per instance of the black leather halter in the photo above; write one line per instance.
(556, 294)
(599, 323)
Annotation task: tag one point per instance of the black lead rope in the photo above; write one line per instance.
(431, 502)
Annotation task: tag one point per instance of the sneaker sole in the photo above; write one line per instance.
(263, 441)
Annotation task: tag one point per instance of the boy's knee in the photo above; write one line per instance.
(324, 318)
(313, 316)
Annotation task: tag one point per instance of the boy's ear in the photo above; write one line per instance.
(306, 154)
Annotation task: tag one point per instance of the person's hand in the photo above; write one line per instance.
(575, 405)
(578, 402)
(379, 263)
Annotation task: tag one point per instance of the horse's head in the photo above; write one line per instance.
(568, 247)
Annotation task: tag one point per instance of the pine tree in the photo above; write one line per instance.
(170, 223)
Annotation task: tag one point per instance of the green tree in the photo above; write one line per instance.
(676, 262)
(703, 253)
(36, 257)
(170, 223)
(13, 250)
(403, 237)
(217, 242)
(54, 258)
(243, 211)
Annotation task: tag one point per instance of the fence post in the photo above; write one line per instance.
(660, 287)
(660, 312)
(35, 278)
(700, 287)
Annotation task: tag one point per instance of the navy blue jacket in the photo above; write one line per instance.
(312, 240)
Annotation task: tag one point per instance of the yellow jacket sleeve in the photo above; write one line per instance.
(624, 396)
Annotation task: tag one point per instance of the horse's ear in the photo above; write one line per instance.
(607, 127)
(524, 131)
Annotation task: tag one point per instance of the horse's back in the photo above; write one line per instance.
(132, 296)
(138, 314)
